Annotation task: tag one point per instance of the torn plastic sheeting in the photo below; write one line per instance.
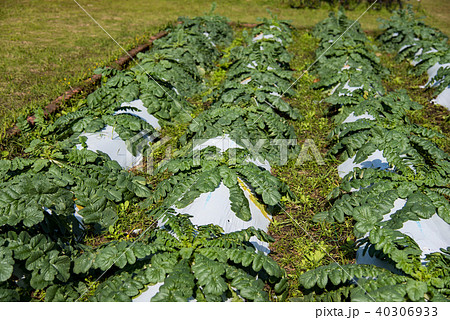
(345, 87)
(419, 53)
(409, 165)
(258, 37)
(206, 34)
(443, 98)
(245, 81)
(147, 295)
(345, 67)
(75, 213)
(152, 290)
(276, 94)
(405, 47)
(375, 160)
(335, 88)
(262, 36)
(352, 118)
(78, 216)
(430, 235)
(362, 258)
(416, 57)
(432, 50)
(142, 113)
(351, 89)
(432, 71)
(109, 142)
(252, 65)
(408, 45)
(215, 208)
(276, 27)
(224, 143)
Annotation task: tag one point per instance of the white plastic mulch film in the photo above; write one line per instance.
(375, 160)
(109, 142)
(215, 208)
(443, 98)
(430, 234)
(149, 293)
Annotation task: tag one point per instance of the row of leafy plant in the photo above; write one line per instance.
(407, 36)
(43, 249)
(247, 108)
(347, 4)
(163, 78)
(249, 104)
(418, 173)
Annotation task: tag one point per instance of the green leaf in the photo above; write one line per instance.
(272, 267)
(95, 125)
(6, 264)
(229, 176)
(186, 253)
(258, 261)
(32, 216)
(208, 181)
(105, 258)
(215, 286)
(420, 205)
(271, 196)
(83, 263)
(281, 286)
(155, 274)
(309, 278)
(239, 203)
(37, 281)
(40, 164)
(139, 188)
(416, 290)
(247, 258)
(6, 270)
(61, 268)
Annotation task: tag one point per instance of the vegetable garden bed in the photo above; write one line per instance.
(227, 105)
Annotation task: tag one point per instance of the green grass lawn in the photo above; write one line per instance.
(47, 46)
